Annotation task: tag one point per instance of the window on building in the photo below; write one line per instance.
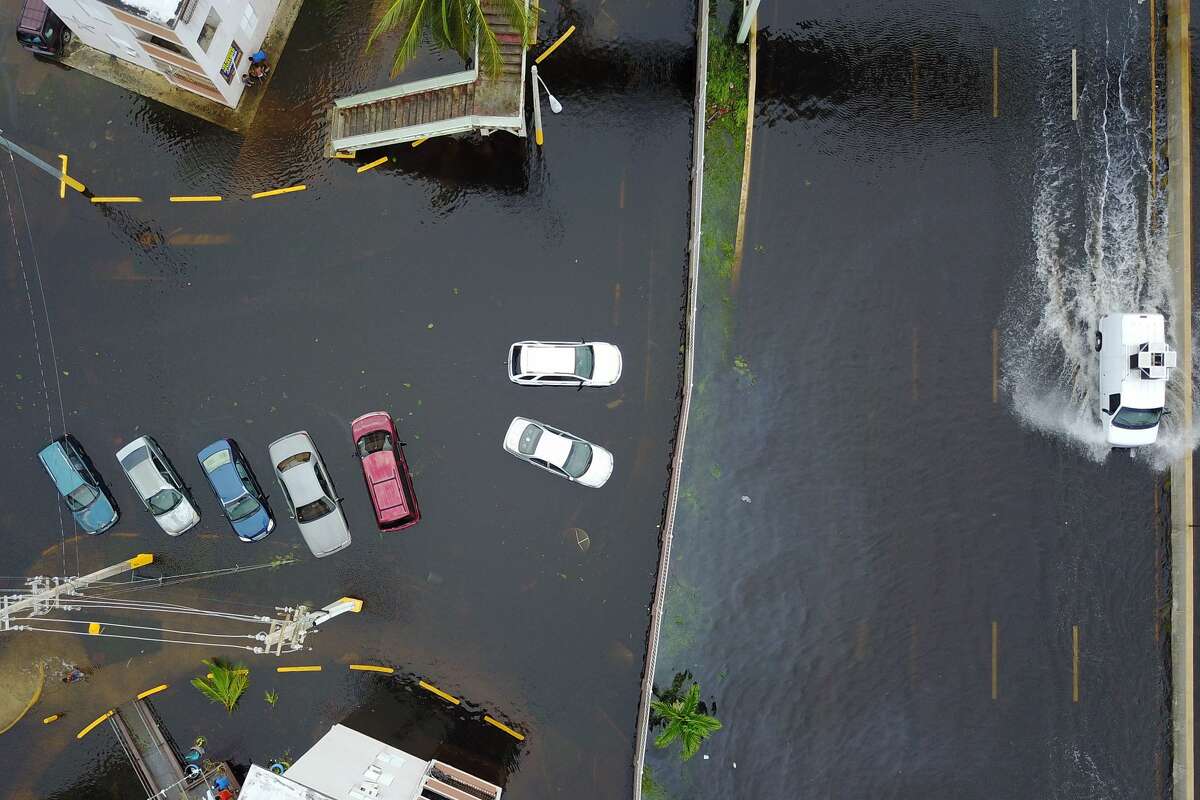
(209, 30)
(165, 44)
(249, 21)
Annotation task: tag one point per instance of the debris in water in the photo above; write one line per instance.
(746, 499)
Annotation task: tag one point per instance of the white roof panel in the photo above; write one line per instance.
(348, 765)
(553, 360)
(262, 784)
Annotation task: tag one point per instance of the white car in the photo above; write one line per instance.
(158, 485)
(564, 363)
(562, 453)
(309, 493)
(1135, 363)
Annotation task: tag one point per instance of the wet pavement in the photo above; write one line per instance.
(883, 558)
(398, 289)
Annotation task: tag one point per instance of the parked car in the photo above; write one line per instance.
(79, 484)
(40, 31)
(158, 485)
(309, 493)
(234, 484)
(557, 451)
(389, 480)
(1135, 364)
(564, 363)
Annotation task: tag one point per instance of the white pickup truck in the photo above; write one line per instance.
(1135, 363)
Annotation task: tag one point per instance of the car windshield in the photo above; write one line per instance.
(81, 497)
(294, 461)
(579, 460)
(217, 459)
(314, 510)
(1137, 418)
(585, 361)
(241, 508)
(529, 439)
(374, 442)
(163, 501)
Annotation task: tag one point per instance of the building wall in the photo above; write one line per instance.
(179, 55)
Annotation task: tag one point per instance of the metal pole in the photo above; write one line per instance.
(749, 11)
(537, 108)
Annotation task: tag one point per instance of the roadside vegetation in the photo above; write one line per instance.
(225, 683)
(682, 717)
(452, 25)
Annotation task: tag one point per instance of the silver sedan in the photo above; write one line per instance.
(309, 493)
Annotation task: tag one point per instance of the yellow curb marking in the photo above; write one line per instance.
(518, 736)
(96, 722)
(343, 155)
(161, 687)
(116, 199)
(93, 628)
(62, 184)
(51, 718)
(373, 164)
(298, 669)
(554, 46)
(372, 668)
(242, 671)
(430, 687)
(195, 198)
(300, 187)
(421, 141)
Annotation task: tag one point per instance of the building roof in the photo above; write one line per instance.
(262, 784)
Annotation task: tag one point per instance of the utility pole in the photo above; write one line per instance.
(749, 10)
(45, 595)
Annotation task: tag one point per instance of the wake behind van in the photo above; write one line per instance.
(1135, 363)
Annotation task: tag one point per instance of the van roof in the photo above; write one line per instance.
(33, 16)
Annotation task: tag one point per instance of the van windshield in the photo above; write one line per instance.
(1136, 419)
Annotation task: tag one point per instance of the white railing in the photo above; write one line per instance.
(414, 87)
(664, 559)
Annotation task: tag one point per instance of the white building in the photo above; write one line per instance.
(199, 45)
(348, 765)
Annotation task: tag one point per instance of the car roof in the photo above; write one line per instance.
(553, 447)
(554, 359)
(302, 483)
(65, 478)
(143, 474)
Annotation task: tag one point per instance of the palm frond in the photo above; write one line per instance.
(667, 736)
(489, 45)
(401, 13)
(224, 684)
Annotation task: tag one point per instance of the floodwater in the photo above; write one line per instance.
(891, 576)
(397, 289)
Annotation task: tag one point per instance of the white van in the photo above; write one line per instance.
(1135, 363)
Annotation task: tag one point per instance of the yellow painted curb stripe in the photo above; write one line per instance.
(242, 671)
(300, 187)
(344, 155)
(373, 164)
(554, 46)
(431, 688)
(129, 199)
(161, 687)
(62, 184)
(93, 628)
(518, 736)
(372, 668)
(51, 718)
(97, 721)
(421, 141)
(74, 184)
(32, 701)
(195, 198)
(298, 669)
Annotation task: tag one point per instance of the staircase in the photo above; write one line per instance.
(449, 104)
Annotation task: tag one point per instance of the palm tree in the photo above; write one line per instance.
(685, 722)
(224, 683)
(453, 25)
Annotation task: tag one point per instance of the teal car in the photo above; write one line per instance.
(79, 484)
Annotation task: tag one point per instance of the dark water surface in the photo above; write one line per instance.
(865, 518)
(397, 289)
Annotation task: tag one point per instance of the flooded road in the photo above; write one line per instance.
(889, 579)
(397, 289)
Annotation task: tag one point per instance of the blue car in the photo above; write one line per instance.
(241, 497)
(79, 485)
